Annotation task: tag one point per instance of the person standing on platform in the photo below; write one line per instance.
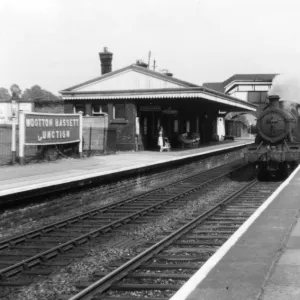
(160, 138)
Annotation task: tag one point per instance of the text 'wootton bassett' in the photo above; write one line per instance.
(47, 122)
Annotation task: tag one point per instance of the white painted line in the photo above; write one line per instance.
(197, 278)
(103, 173)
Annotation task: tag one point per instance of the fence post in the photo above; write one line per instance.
(90, 141)
(137, 133)
(80, 134)
(105, 133)
(13, 140)
(21, 136)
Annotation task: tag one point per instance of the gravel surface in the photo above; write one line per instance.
(21, 220)
(64, 280)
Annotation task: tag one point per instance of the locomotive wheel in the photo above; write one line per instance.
(261, 173)
(258, 139)
(282, 171)
(285, 170)
(288, 169)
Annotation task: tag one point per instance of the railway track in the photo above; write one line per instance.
(31, 254)
(161, 269)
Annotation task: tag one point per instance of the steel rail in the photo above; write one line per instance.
(91, 213)
(103, 284)
(61, 248)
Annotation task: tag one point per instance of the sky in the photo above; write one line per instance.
(55, 43)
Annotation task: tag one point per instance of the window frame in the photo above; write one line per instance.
(115, 120)
(100, 112)
(261, 93)
(114, 111)
(75, 109)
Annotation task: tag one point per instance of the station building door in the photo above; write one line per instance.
(149, 123)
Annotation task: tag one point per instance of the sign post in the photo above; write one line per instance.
(13, 140)
(21, 136)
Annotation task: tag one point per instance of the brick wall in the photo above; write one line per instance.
(125, 128)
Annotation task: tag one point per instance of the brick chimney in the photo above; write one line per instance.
(105, 58)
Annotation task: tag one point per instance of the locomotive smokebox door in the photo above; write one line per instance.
(275, 124)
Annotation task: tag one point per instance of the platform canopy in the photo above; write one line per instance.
(135, 82)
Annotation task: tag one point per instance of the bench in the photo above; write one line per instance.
(190, 142)
(228, 137)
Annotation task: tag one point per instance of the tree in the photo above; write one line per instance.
(15, 91)
(4, 94)
(39, 95)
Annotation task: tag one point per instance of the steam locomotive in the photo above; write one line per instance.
(277, 145)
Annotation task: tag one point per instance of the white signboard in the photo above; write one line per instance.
(27, 107)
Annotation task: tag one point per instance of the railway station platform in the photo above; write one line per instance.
(261, 260)
(33, 178)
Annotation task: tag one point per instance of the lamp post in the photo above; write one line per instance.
(15, 90)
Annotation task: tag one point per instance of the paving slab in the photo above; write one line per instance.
(274, 292)
(264, 263)
(32, 176)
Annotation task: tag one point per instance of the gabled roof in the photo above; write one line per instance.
(132, 83)
(135, 68)
(220, 86)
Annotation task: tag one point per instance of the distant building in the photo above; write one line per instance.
(252, 88)
(6, 110)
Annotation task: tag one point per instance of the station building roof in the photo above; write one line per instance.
(136, 82)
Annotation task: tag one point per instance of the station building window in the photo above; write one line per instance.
(98, 109)
(79, 107)
(257, 97)
(119, 111)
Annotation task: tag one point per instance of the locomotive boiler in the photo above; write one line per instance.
(277, 145)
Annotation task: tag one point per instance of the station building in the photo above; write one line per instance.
(139, 100)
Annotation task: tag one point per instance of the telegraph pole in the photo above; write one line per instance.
(154, 65)
(149, 56)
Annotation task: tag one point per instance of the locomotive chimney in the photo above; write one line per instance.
(274, 101)
(105, 58)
